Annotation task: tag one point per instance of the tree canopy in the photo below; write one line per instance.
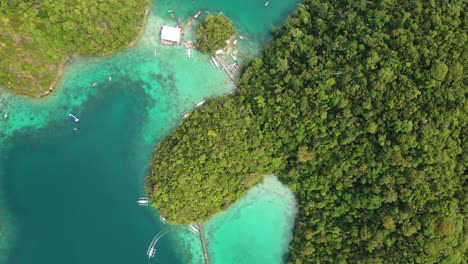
(360, 107)
(213, 33)
(37, 36)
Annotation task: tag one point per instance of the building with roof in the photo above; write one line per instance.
(170, 35)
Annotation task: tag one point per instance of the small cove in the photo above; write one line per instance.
(69, 196)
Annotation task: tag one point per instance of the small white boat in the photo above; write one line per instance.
(201, 102)
(151, 251)
(5, 116)
(74, 118)
(186, 114)
(215, 62)
(110, 78)
(94, 84)
(194, 229)
(143, 201)
(267, 3)
(189, 52)
(155, 53)
(163, 219)
(241, 37)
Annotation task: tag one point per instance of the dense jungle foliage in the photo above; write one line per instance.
(37, 36)
(360, 107)
(213, 32)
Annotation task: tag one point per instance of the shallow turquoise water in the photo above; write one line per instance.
(256, 229)
(69, 196)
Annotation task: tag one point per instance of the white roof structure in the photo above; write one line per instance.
(170, 34)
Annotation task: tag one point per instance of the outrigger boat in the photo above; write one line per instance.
(73, 117)
(143, 201)
(163, 219)
(194, 229)
(215, 62)
(202, 101)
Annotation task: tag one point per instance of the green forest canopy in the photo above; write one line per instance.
(38, 35)
(360, 107)
(213, 33)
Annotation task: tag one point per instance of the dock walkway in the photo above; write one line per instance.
(202, 238)
(226, 69)
(188, 24)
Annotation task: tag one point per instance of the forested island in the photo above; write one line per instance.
(360, 108)
(213, 33)
(38, 36)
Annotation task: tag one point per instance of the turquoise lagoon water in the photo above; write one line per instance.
(69, 196)
(257, 229)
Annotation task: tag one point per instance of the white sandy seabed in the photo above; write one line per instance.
(257, 229)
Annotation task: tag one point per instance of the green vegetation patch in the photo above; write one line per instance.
(37, 36)
(213, 33)
(360, 107)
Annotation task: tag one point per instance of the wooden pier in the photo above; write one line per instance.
(226, 69)
(202, 238)
(188, 24)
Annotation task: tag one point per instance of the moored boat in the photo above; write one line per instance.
(215, 62)
(143, 201)
(201, 102)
